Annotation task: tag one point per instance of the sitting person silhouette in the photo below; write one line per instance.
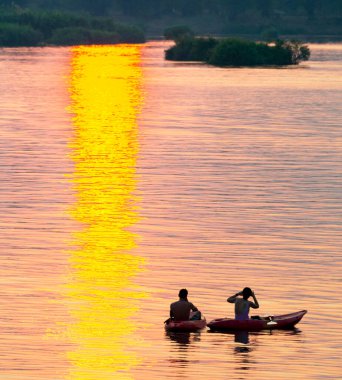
(183, 310)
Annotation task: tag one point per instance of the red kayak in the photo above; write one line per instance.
(185, 326)
(285, 321)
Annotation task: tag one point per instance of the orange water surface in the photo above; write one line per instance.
(125, 177)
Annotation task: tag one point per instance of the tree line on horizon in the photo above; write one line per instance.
(39, 22)
(27, 27)
(232, 9)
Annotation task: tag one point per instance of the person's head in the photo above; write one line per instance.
(183, 293)
(246, 293)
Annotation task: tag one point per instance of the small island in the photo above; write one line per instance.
(236, 52)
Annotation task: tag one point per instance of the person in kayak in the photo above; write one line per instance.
(183, 310)
(242, 305)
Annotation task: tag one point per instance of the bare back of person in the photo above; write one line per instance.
(242, 309)
(181, 310)
(242, 305)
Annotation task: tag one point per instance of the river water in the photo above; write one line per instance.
(125, 178)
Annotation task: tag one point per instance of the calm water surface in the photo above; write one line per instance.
(125, 178)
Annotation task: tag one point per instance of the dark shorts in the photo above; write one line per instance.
(195, 316)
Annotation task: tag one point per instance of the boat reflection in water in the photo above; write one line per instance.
(184, 344)
(247, 343)
(184, 338)
(106, 98)
(242, 337)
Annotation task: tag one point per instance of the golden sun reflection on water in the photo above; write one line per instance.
(106, 98)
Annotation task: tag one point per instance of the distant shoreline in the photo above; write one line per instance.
(64, 23)
(300, 37)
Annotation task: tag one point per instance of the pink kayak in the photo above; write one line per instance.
(285, 321)
(185, 326)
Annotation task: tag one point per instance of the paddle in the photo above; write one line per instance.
(271, 321)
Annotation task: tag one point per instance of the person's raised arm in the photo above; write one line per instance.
(255, 304)
(232, 299)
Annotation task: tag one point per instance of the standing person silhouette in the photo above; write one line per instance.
(183, 310)
(242, 305)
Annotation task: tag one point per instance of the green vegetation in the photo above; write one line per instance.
(19, 35)
(81, 35)
(258, 18)
(238, 52)
(192, 49)
(32, 28)
(177, 32)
